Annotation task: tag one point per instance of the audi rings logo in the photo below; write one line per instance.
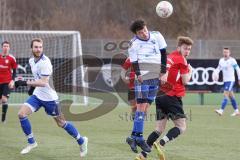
(203, 76)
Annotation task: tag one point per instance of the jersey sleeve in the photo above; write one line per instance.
(236, 67)
(127, 64)
(234, 64)
(161, 41)
(219, 67)
(46, 69)
(14, 63)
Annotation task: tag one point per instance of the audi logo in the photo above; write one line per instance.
(203, 76)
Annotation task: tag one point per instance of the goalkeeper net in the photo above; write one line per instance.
(61, 47)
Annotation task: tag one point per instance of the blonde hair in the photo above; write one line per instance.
(184, 40)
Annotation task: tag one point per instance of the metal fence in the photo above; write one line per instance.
(202, 49)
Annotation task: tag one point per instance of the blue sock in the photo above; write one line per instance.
(138, 125)
(27, 129)
(224, 103)
(73, 132)
(234, 103)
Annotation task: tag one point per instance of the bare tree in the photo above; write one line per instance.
(205, 19)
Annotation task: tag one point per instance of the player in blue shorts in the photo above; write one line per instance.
(227, 65)
(147, 53)
(43, 96)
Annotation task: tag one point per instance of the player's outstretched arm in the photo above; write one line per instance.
(43, 82)
(37, 83)
(20, 83)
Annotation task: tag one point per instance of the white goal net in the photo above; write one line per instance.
(65, 51)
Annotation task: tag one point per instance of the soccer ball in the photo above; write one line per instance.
(164, 9)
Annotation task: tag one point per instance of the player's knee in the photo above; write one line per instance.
(4, 102)
(181, 124)
(4, 99)
(182, 128)
(21, 114)
(226, 94)
(61, 123)
(231, 97)
(160, 129)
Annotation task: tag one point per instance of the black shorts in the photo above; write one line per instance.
(4, 90)
(169, 107)
(131, 94)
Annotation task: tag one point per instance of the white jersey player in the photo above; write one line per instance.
(43, 67)
(147, 53)
(228, 65)
(43, 96)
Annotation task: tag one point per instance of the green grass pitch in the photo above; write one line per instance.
(208, 136)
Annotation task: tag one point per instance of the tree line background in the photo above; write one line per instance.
(96, 19)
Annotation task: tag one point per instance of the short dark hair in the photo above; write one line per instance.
(184, 40)
(226, 48)
(36, 40)
(5, 42)
(137, 25)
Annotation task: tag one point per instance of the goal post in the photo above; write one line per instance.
(59, 46)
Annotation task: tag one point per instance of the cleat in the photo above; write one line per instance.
(132, 143)
(219, 112)
(160, 152)
(137, 158)
(143, 145)
(235, 113)
(140, 157)
(29, 148)
(83, 147)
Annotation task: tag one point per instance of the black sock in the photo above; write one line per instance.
(172, 134)
(4, 111)
(153, 137)
(162, 142)
(144, 154)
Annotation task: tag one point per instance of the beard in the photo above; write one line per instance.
(36, 54)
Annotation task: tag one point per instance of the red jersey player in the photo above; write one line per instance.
(8, 67)
(129, 78)
(169, 105)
